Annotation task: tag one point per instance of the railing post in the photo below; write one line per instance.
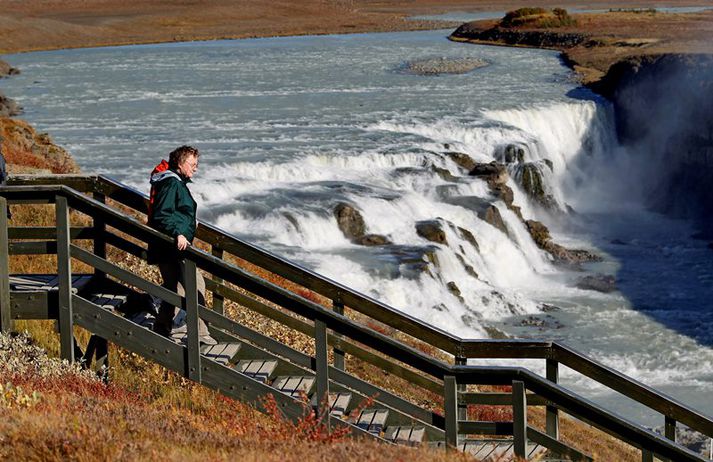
(519, 417)
(450, 408)
(217, 298)
(669, 430)
(339, 361)
(647, 456)
(99, 235)
(462, 408)
(5, 314)
(193, 363)
(64, 275)
(322, 368)
(552, 426)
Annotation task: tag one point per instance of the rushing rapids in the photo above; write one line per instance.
(322, 149)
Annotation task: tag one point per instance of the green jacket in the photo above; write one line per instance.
(173, 212)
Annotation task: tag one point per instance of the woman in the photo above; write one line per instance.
(172, 211)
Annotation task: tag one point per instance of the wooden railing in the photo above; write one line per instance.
(332, 328)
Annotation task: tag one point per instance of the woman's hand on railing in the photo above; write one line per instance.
(181, 242)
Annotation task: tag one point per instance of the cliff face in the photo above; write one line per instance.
(664, 111)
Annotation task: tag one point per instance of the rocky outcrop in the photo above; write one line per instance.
(462, 160)
(541, 235)
(372, 239)
(6, 70)
(531, 178)
(431, 230)
(493, 173)
(350, 221)
(352, 225)
(491, 215)
(30, 152)
(8, 107)
(534, 38)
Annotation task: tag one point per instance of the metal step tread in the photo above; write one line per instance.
(222, 353)
(259, 369)
(372, 420)
(408, 435)
(45, 282)
(294, 385)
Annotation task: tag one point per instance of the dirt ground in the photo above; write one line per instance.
(50, 24)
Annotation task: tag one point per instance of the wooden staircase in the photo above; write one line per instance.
(248, 365)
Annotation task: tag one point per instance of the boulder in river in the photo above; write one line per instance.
(599, 282)
(431, 230)
(492, 216)
(531, 177)
(350, 221)
(462, 160)
(494, 173)
(372, 239)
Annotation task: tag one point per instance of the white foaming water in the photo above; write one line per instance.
(290, 127)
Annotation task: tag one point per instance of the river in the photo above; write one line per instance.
(290, 127)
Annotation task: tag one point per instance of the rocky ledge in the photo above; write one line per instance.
(7, 70)
(27, 151)
(472, 32)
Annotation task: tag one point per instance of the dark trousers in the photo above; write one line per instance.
(173, 281)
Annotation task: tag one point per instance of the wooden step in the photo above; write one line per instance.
(408, 435)
(259, 369)
(294, 385)
(222, 353)
(372, 420)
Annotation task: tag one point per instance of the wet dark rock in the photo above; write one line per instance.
(541, 235)
(492, 216)
(431, 230)
(372, 239)
(440, 308)
(468, 268)
(549, 164)
(462, 160)
(444, 173)
(543, 322)
(350, 221)
(510, 154)
(531, 179)
(468, 236)
(495, 333)
(494, 173)
(547, 308)
(598, 282)
(453, 289)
